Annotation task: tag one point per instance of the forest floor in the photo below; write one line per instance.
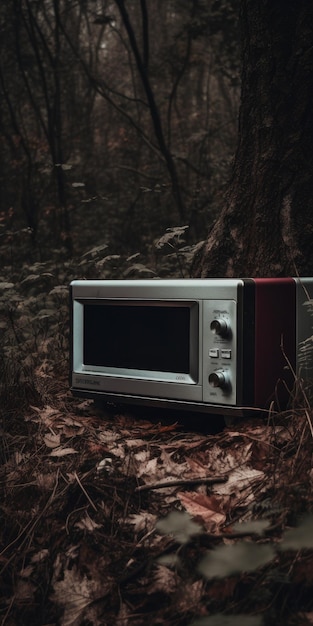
(91, 536)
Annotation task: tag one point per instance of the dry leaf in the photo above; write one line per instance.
(63, 451)
(40, 556)
(117, 450)
(18, 457)
(45, 482)
(27, 571)
(172, 467)
(75, 593)
(73, 431)
(136, 443)
(142, 456)
(52, 440)
(206, 508)
(47, 413)
(96, 448)
(222, 590)
(241, 484)
(143, 521)
(148, 469)
(220, 460)
(86, 523)
(198, 469)
(189, 596)
(164, 580)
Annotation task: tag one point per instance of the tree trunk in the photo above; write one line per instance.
(154, 110)
(266, 225)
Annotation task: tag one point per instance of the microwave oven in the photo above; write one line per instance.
(218, 346)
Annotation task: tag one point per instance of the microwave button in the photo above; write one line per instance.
(214, 353)
(219, 379)
(226, 353)
(220, 327)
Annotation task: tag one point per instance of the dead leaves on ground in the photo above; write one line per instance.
(85, 533)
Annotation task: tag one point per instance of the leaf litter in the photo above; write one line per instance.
(115, 515)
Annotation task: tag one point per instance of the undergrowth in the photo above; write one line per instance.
(72, 515)
(34, 298)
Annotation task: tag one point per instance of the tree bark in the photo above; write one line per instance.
(266, 225)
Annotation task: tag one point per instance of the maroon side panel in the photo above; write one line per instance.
(275, 325)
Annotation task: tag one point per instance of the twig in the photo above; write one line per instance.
(85, 492)
(183, 482)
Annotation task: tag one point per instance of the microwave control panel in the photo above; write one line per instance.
(219, 351)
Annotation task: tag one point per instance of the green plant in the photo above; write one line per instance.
(178, 255)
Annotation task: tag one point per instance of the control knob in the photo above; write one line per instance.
(219, 379)
(220, 326)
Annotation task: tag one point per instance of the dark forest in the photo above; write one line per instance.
(149, 139)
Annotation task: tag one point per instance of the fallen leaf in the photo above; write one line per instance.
(220, 460)
(63, 451)
(137, 443)
(142, 521)
(164, 580)
(52, 440)
(148, 469)
(47, 413)
(117, 450)
(86, 523)
(40, 556)
(241, 484)
(73, 431)
(45, 482)
(96, 448)
(75, 593)
(206, 508)
(173, 467)
(223, 589)
(142, 456)
(27, 571)
(18, 457)
(188, 596)
(198, 469)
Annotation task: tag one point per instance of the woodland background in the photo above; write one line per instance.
(115, 126)
(118, 125)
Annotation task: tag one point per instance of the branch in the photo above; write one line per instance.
(145, 34)
(183, 482)
(154, 110)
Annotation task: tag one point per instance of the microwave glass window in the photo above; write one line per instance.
(154, 338)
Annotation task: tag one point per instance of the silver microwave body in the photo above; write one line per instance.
(234, 355)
